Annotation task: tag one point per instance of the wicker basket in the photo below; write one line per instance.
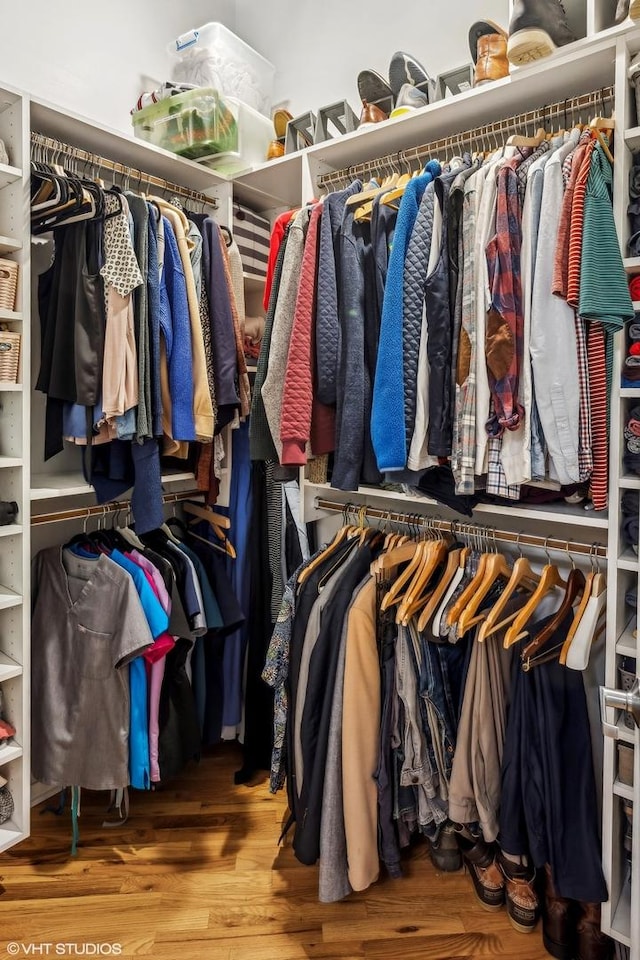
(8, 283)
(625, 763)
(9, 356)
(317, 469)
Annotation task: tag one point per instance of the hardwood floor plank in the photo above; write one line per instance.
(196, 872)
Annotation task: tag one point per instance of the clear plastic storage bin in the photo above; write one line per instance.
(194, 124)
(253, 134)
(212, 56)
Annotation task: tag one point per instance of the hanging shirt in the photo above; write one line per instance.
(88, 624)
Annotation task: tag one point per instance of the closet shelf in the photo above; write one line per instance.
(632, 137)
(9, 599)
(275, 183)
(630, 393)
(50, 486)
(11, 530)
(9, 245)
(11, 316)
(632, 264)
(625, 733)
(253, 282)
(10, 834)
(622, 917)
(126, 149)
(13, 751)
(566, 513)
(8, 668)
(10, 462)
(628, 560)
(626, 644)
(630, 481)
(10, 387)
(586, 64)
(9, 174)
(623, 790)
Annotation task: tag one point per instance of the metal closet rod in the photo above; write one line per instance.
(481, 137)
(461, 526)
(115, 506)
(57, 147)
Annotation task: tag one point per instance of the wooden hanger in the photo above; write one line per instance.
(574, 589)
(495, 567)
(579, 649)
(342, 534)
(433, 558)
(522, 576)
(465, 597)
(581, 606)
(521, 140)
(455, 560)
(549, 579)
(394, 594)
(215, 519)
(371, 190)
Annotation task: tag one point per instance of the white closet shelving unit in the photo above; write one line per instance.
(596, 60)
(14, 471)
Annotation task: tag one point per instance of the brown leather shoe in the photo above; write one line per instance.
(558, 921)
(492, 61)
(275, 149)
(523, 906)
(592, 943)
(371, 114)
(488, 882)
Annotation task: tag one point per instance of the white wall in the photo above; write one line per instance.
(90, 57)
(319, 46)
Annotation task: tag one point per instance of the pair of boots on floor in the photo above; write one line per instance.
(570, 929)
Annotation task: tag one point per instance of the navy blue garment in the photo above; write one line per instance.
(383, 226)
(153, 306)
(388, 846)
(548, 806)
(316, 714)
(239, 571)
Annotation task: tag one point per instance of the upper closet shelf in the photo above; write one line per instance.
(564, 513)
(88, 135)
(273, 184)
(584, 66)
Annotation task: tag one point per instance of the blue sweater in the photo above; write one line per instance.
(387, 418)
(176, 329)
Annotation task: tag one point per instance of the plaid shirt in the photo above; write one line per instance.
(497, 484)
(523, 169)
(503, 261)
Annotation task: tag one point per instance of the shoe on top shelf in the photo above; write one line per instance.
(410, 98)
(536, 30)
(488, 45)
(627, 8)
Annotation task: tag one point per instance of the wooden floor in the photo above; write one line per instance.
(196, 873)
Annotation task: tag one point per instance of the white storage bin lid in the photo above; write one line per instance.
(211, 34)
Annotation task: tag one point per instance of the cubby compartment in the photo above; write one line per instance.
(17, 826)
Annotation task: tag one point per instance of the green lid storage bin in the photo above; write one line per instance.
(194, 124)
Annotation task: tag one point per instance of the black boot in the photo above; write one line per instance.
(536, 29)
